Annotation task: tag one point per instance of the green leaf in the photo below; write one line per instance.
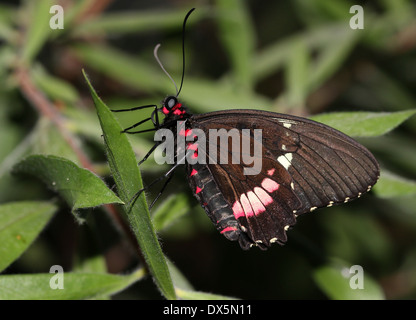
(76, 286)
(170, 210)
(198, 295)
(46, 139)
(134, 22)
(129, 70)
(79, 187)
(391, 185)
(20, 224)
(272, 58)
(54, 87)
(337, 282)
(123, 165)
(93, 264)
(297, 73)
(319, 11)
(364, 124)
(38, 29)
(205, 96)
(7, 20)
(178, 279)
(237, 34)
(331, 58)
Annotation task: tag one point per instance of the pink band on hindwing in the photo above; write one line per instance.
(269, 185)
(238, 210)
(255, 202)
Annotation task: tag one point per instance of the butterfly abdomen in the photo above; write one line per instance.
(217, 208)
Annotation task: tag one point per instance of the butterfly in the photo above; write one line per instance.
(305, 165)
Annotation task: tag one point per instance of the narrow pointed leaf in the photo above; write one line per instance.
(364, 124)
(237, 35)
(198, 295)
(123, 165)
(170, 210)
(76, 286)
(38, 28)
(391, 185)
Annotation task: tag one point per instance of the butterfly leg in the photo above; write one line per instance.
(167, 175)
(150, 152)
(154, 113)
(161, 190)
(135, 108)
(126, 130)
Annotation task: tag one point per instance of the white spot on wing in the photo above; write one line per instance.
(286, 121)
(285, 160)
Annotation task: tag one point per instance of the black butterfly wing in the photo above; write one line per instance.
(262, 204)
(305, 165)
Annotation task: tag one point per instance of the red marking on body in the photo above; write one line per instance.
(193, 172)
(195, 155)
(178, 112)
(271, 171)
(264, 197)
(227, 229)
(198, 190)
(255, 202)
(269, 185)
(248, 210)
(238, 210)
(185, 132)
(177, 109)
(192, 146)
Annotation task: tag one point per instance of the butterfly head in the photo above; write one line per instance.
(173, 109)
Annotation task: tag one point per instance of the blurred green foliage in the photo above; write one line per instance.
(299, 57)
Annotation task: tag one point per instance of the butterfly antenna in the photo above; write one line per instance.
(183, 56)
(163, 68)
(183, 48)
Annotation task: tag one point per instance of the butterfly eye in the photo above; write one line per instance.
(170, 102)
